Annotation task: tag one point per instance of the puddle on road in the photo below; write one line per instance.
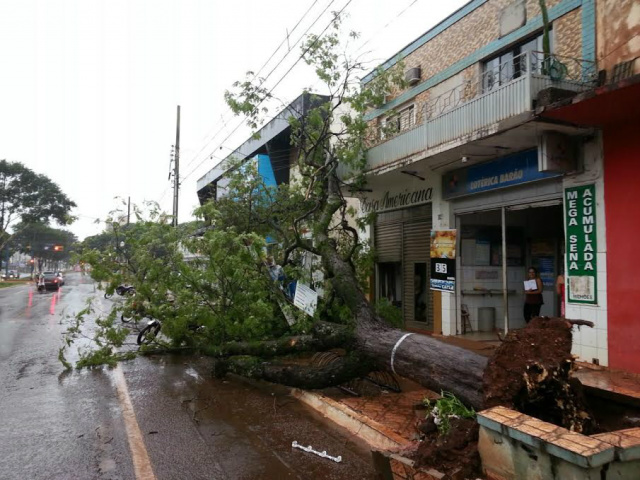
(253, 427)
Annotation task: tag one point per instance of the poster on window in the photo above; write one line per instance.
(443, 260)
(580, 221)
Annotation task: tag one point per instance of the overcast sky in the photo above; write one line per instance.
(89, 89)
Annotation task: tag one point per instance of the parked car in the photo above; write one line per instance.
(60, 278)
(50, 281)
(10, 274)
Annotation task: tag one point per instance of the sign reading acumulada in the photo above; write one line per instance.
(580, 221)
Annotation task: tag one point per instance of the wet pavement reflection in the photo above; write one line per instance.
(69, 425)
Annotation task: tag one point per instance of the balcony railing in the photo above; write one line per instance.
(477, 106)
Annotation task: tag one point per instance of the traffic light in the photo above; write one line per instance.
(58, 248)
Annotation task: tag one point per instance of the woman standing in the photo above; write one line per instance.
(560, 291)
(532, 297)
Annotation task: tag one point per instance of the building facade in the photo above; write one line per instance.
(471, 159)
(270, 148)
(612, 109)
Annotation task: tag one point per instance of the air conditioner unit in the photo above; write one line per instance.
(412, 76)
(557, 152)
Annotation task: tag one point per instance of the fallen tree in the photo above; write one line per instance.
(229, 292)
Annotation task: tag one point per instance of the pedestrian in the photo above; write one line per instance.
(532, 295)
(275, 271)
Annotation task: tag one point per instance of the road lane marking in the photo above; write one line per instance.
(141, 463)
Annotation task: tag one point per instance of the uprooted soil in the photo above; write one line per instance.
(454, 454)
(531, 372)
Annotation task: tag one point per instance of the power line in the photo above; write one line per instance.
(255, 75)
(388, 23)
(278, 82)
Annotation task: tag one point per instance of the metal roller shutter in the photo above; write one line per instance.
(388, 242)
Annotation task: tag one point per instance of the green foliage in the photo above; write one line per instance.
(448, 406)
(29, 197)
(389, 312)
(63, 360)
(215, 277)
(39, 239)
(205, 289)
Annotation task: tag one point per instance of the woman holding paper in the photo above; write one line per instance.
(532, 295)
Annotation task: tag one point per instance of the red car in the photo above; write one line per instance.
(49, 281)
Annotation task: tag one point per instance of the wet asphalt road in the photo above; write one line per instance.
(71, 425)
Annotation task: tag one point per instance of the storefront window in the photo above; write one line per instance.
(390, 275)
(420, 291)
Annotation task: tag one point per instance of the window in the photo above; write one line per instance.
(403, 119)
(390, 280)
(512, 63)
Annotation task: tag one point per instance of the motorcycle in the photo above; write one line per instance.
(40, 284)
(149, 333)
(122, 290)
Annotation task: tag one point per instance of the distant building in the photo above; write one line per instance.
(271, 149)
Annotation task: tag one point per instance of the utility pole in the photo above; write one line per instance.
(176, 172)
(128, 210)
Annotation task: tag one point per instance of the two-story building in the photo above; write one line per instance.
(472, 153)
(614, 109)
(270, 147)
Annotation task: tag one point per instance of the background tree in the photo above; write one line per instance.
(28, 197)
(47, 245)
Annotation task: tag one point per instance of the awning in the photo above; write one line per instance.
(607, 105)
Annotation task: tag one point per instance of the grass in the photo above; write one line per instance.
(446, 407)
(14, 283)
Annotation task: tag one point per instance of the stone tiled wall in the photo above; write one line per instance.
(475, 31)
(568, 35)
(618, 31)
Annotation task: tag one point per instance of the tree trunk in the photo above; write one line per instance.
(301, 376)
(324, 336)
(433, 364)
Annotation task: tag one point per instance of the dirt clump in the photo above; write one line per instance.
(454, 453)
(531, 373)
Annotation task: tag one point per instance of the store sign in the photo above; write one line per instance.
(580, 222)
(305, 299)
(391, 200)
(504, 172)
(443, 260)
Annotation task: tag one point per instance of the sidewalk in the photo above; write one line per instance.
(384, 420)
(621, 385)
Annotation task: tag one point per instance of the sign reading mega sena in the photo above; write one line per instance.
(580, 223)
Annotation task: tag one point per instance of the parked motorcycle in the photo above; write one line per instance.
(122, 290)
(149, 333)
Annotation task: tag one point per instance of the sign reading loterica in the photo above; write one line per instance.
(505, 172)
(580, 221)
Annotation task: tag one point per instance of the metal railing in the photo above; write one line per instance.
(501, 91)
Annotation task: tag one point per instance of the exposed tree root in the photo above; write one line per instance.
(531, 372)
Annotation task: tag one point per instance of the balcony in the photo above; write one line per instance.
(482, 106)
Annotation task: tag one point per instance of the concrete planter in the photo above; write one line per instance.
(513, 446)
(390, 466)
